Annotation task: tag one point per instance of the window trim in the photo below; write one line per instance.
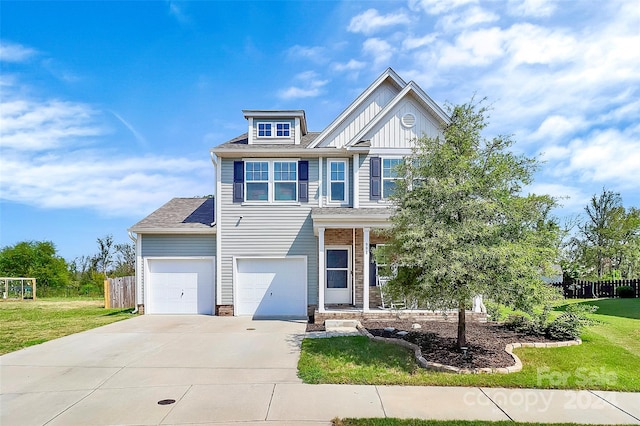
(271, 181)
(274, 129)
(344, 202)
(383, 196)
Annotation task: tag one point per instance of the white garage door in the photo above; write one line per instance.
(271, 287)
(180, 286)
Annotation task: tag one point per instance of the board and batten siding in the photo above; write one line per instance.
(178, 245)
(266, 230)
(390, 133)
(367, 110)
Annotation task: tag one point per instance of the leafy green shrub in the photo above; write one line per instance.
(520, 323)
(625, 292)
(571, 322)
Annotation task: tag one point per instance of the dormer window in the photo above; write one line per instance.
(283, 130)
(271, 130)
(264, 130)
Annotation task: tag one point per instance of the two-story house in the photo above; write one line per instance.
(295, 212)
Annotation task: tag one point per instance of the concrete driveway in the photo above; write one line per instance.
(231, 370)
(217, 369)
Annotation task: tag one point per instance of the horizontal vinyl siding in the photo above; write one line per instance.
(266, 230)
(369, 108)
(178, 245)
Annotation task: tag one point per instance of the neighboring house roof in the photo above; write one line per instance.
(179, 216)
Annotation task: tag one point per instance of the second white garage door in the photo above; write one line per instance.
(271, 287)
(180, 286)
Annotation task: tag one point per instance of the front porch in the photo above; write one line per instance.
(349, 285)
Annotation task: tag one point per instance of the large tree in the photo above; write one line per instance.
(35, 259)
(462, 225)
(607, 244)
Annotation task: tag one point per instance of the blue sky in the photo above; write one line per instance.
(109, 108)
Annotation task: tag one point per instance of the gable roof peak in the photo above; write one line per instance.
(388, 75)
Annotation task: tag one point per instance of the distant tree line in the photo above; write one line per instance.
(605, 243)
(55, 276)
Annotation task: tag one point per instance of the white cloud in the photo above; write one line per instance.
(28, 125)
(474, 48)
(607, 156)
(110, 185)
(176, 10)
(436, 7)
(411, 43)
(14, 52)
(370, 21)
(317, 54)
(380, 50)
(312, 86)
(533, 8)
(51, 158)
(352, 65)
(557, 127)
(466, 19)
(569, 196)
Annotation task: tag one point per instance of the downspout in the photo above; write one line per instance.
(135, 242)
(215, 196)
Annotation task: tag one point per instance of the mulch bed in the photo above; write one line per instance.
(437, 340)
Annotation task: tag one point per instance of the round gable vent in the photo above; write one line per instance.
(408, 120)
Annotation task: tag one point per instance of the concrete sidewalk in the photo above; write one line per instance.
(237, 371)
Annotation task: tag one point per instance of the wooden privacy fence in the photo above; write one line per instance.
(578, 289)
(120, 292)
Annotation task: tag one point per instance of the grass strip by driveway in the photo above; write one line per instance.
(608, 359)
(419, 422)
(29, 322)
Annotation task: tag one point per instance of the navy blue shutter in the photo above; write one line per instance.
(238, 181)
(303, 181)
(375, 178)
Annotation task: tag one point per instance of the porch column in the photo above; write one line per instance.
(365, 270)
(321, 257)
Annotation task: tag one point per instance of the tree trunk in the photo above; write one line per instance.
(462, 326)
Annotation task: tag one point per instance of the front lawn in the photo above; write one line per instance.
(608, 359)
(29, 322)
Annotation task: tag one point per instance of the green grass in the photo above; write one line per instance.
(608, 359)
(29, 323)
(419, 422)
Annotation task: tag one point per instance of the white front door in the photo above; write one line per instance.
(337, 282)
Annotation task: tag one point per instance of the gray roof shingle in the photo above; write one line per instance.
(242, 142)
(188, 214)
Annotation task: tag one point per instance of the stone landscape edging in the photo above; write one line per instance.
(417, 352)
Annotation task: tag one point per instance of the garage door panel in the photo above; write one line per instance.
(180, 286)
(271, 287)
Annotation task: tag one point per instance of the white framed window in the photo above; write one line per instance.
(256, 180)
(268, 129)
(389, 175)
(271, 181)
(285, 180)
(338, 181)
(283, 130)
